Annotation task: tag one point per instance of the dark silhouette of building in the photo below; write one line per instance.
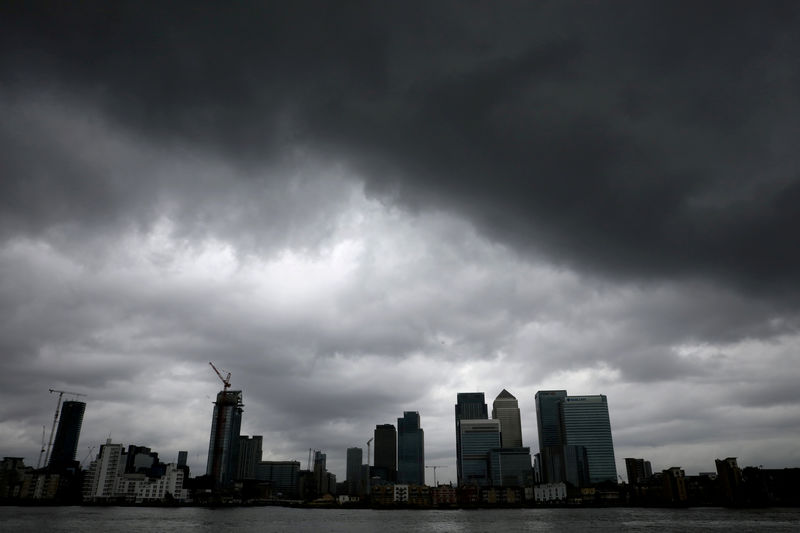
(410, 449)
(249, 455)
(639, 470)
(469, 406)
(355, 482)
(67, 436)
(510, 467)
(478, 438)
(385, 463)
(223, 447)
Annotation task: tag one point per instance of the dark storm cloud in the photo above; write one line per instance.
(644, 139)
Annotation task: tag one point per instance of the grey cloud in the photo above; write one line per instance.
(634, 139)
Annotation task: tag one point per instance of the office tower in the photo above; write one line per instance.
(283, 477)
(510, 467)
(410, 449)
(355, 457)
(639, 470)
(183, 456)
(249, 455)
(585, 422)
(478, 438)
(67, 435)
(506, 409)
(548, 418)
(223, 447)
(385, 443)
(469, 406)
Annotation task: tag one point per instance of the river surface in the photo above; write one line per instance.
(279, 519)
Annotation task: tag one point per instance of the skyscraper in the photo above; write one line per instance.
(410, 449)
(355, 457)
(506, 409)
(223, 446)
(478, 438)
(249, 456)
(548, 418)
(385, 461)
(469, 406)
(585, 422)
(67, 435)
(551, 441)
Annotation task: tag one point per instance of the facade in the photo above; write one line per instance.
(477, 439)
(282, 475)
(223, 447)
(249, 456)
(506, 409)
(385, 460)
(410, 449)
(67, 435)
(550, 493)
(355, 457)
(141, 488)
(469, 406)
(585, 422)
(101, 478)
(548, 418)
(510, 467)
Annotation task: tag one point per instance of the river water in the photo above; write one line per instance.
(279, 519)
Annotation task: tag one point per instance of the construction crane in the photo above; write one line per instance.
(41, 452)
(91, 449)
(226, 381)
(61, 394)
(434, 472)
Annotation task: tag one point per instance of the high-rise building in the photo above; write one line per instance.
(355, 457)
(183, 456)
(385, 461)
(638, 470)
(101, 478)
(510, 467)
(469, 406)
(585, 422)
(67, 435)
(478, 438)
(223, 447)
(249, 456)
(506, 409)
(410, 449)
(282, 475)
(548, 417)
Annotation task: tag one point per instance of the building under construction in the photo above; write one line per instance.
(223, 447)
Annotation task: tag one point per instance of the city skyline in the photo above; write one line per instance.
(362, 213)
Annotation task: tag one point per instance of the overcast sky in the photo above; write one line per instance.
(363, 208)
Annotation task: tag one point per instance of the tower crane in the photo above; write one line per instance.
(434, 472)
(61, 394)
(226, 381)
